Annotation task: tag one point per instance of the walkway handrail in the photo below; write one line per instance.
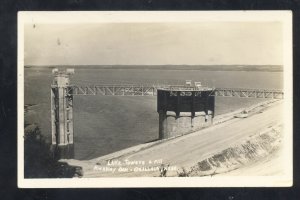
(151, 90)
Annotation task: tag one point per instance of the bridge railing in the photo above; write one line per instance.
(249, 93)
(113, 90)
(151, 90)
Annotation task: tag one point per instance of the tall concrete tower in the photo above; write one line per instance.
(62, 114)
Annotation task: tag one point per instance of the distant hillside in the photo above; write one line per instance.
(271, 68)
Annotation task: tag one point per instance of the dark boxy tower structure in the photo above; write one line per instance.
(62, 115)
(183, 109)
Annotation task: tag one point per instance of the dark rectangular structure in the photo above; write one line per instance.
(186, 101)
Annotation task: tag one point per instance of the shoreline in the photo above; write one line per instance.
(233, 67)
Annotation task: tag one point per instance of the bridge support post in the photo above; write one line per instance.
(62, 116)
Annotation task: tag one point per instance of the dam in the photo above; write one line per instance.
(181, 108)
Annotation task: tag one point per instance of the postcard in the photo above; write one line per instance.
(155, 99)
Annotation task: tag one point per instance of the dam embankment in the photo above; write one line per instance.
(229, 144)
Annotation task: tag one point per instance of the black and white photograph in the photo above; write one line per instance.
(155, 99)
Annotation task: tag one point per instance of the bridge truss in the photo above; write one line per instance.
(151, 90)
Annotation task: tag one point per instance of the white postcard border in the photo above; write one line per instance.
(161, 16)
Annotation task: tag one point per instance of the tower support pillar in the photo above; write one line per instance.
(62, 116)
(163, 132)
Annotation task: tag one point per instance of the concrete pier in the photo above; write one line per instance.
(171, 125)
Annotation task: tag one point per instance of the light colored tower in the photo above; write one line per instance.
(62, 114)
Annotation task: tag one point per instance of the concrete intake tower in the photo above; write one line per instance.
(183, 109)
(62, 114)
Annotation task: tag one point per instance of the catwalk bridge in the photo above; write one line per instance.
(151, 90)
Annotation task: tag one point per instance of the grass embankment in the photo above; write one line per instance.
(40, 161)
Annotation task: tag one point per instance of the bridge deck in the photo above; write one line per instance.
(151, 90)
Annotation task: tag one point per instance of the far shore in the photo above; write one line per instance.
(267, 68)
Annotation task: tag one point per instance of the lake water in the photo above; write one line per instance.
(104, 124)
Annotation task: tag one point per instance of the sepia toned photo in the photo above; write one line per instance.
(155, 99)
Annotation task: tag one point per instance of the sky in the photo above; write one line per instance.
(201, 43)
